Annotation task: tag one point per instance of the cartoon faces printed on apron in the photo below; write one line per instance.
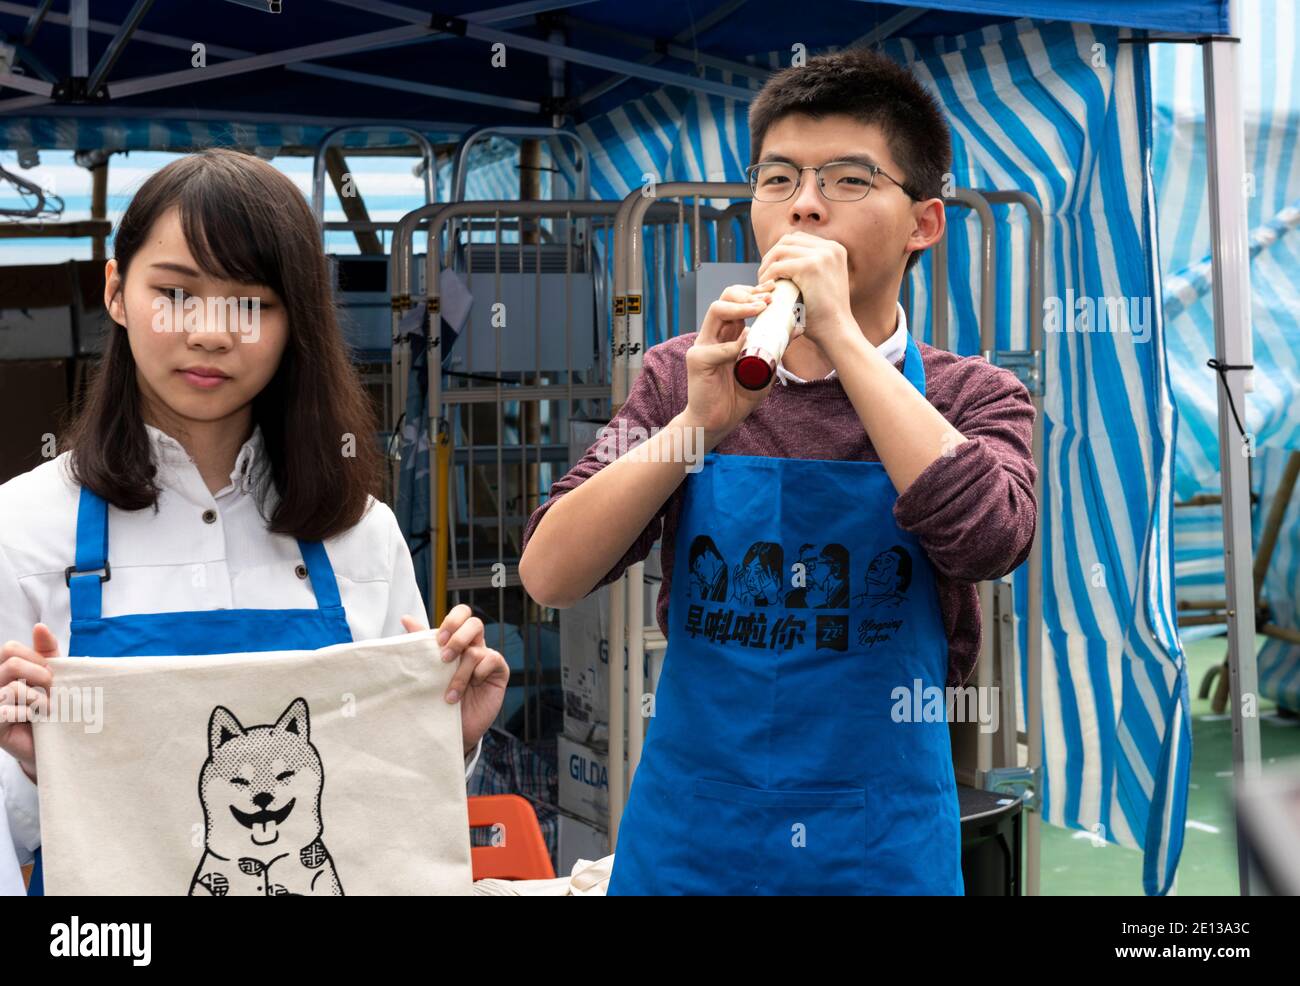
(819, 577)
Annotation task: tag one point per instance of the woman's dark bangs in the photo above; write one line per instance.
(229, 235)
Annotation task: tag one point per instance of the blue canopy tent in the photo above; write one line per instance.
(339, 61)
(657, 87)
(1271, 415)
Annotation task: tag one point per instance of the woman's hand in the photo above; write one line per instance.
(479, 683)
(25, 683)
(715, 401)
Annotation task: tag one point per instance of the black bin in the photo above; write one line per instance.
(990, 842)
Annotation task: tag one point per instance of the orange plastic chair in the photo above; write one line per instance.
(518, 850)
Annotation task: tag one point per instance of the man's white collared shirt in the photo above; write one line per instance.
(892, 349)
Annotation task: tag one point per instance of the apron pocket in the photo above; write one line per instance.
(768, 841)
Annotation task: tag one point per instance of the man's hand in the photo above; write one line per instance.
(480, 679)
(820, 267)
(25, 683)
(715, 402)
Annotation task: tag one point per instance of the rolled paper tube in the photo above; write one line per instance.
(768, 337)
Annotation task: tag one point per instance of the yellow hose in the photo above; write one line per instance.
(442, 445)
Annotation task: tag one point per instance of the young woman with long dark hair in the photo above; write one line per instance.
(228, 447)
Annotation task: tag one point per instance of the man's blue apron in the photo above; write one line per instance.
(789, 751)
(216, 631)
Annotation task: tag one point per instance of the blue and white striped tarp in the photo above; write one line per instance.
(1059, 111)
(1269, 31)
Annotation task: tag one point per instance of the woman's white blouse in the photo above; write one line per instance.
(11, 877)
(199, 551)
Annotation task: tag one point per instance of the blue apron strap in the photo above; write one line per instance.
(92, 557)
(913, 368)
(36, 884)
(321, 573)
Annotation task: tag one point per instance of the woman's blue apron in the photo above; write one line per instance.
(216, 631)
(790, 751)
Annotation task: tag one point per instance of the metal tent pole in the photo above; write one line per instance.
(1226, 164)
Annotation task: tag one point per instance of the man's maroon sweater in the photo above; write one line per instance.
(973, 511)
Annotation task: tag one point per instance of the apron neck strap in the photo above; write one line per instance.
(85, 583)
(913, 368)
(321, 573)
(92, 557)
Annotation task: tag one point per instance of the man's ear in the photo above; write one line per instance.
(113, 301)
(931, 222)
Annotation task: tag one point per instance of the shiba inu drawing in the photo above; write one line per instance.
(260, 789)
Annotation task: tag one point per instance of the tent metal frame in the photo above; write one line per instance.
(418, 27)
(239, 61)
(450, 575)
(1233, 348)
(1225, 138)
(1226, 170)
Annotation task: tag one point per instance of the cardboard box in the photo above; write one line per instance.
(51, 310)
(584, 632)
(35, 333)
(584, 659)
(578, 840)
(584, 780)
(548, 322)
(584, 669)
(698, 289)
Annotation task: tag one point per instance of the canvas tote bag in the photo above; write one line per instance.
(333, 771)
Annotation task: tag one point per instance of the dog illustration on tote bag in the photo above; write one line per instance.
(260, 789)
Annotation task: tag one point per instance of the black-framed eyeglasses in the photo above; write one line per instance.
(839, 181)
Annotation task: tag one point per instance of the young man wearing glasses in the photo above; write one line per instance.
(779, 758)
